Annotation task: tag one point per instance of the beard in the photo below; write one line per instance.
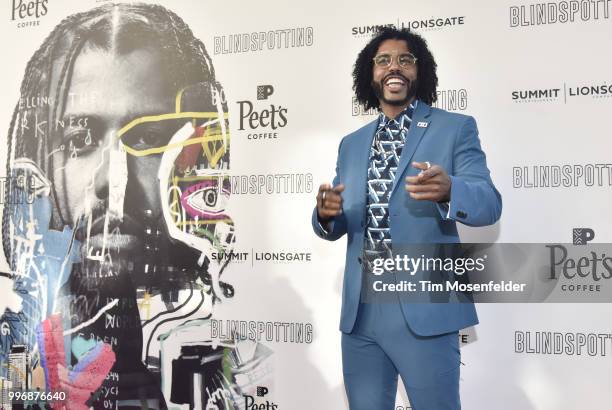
(411, 90)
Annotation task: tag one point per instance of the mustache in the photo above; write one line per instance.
(385, 78)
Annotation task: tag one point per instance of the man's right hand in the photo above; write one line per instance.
(329, 201)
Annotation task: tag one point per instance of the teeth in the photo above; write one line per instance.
(394, 81)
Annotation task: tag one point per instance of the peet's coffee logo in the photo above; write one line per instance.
(449, 100)
(264, 120)
(558, 12)
(264, 91)
(250, 402)
(564, 93)
(428, 24)
(593, 266)
(582, 235)
(31, 10)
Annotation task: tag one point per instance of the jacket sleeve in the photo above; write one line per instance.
(337, 225)
(474, 199)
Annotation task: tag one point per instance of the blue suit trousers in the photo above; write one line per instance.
(381, 346)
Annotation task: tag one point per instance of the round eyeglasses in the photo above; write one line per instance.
(403, 60)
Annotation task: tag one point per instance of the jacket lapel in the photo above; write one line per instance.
(418, 127)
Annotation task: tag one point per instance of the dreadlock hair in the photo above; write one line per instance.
(426, 67)
(120, 27)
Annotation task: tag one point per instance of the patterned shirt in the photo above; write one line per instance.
(384, 158)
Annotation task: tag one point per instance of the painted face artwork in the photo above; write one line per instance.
(113, 188)
(115, 249)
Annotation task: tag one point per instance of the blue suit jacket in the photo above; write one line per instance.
(446, 139)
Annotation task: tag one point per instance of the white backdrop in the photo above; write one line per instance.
(485, 52)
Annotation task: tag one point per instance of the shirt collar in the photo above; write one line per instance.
(384, 120)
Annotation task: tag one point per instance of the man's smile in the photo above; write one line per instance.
(395, 83)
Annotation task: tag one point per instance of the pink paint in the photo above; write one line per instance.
(54, 350)
(87, 375)
(193, 202)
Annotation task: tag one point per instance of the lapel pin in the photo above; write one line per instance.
(422, 124)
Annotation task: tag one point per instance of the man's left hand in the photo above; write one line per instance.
(431, 184)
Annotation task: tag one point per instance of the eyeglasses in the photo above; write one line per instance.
(403, 60)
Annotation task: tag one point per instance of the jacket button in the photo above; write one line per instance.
(362, 223)
(360, 260)
(461, 214)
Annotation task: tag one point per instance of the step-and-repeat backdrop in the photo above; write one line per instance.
(159, 166)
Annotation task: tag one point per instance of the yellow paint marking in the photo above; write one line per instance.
(179, 96)
(146, 303)
(159, 150)
(170, 116)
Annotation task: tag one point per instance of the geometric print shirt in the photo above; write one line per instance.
(384, 158)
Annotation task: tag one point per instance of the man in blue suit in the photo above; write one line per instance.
(406, 178)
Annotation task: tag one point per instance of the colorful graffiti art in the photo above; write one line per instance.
(123, 167)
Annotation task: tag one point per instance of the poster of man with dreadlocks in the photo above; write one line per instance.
(123, 165)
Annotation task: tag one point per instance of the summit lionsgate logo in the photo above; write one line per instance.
(422, 24)
(564, 93)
